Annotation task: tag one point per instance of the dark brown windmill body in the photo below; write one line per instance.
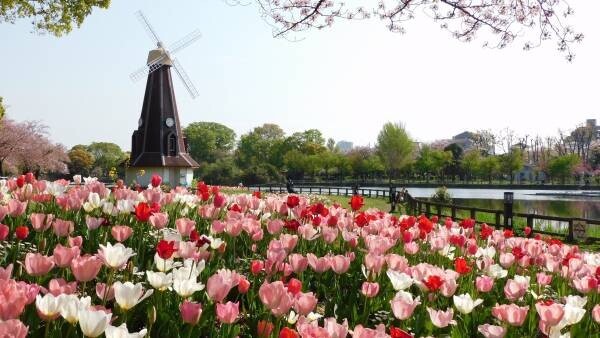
(158, 145)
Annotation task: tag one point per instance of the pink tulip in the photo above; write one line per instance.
(514, 290)
(217, 227)
(491, 331)
(370, 290)
(13, 299)
(507, 259)
(449, 287)
(396, 262)
(64, 255)
(288, 242)
(85, 268)
(185, 226)
(374, 263)
(62, 228)
(334, 329)
(93, 223)
(274, 226)
(227, 313)
(403, 305)
(3, 212)
(158, 220)
(37, 264)
(75, 241)
(304, 303)
(13, 328)
(550, 314)
(121, 232)
(16, 208)
(585, 284)
(484, 283)
(319, 265)
(411, 248)
(276, 297)
(190, 312)
(4, 230)
(5, 273)
(219, 284)
(441, 318)
(339, 264)
(105, 293)
(186, 249)
(596, 313)
(41, 222)
(543, 279)
(511, 313)
(298, 262)
(59, 286)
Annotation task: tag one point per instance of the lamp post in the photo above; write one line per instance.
(508, 209)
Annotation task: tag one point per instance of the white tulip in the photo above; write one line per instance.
(576, 301)
(89, 180)
(465, 304)
(115, 256)
(164, 265)
(159, 280)
(125, 206)
(190, 269)
(523, 280)
(92, 322)
(187, 287)
(488, 252)
(292, 318)
(129, 295)
(77, 179)
(496, 271)
(48, 306)
(122, 332)
(400, 280)
(93, 202)
(70, 306)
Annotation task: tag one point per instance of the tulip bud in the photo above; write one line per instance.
(42, 245)
(151, 315)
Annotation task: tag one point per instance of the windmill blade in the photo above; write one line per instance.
(149, 68)
(151, 32)
(185, 41)
(185, 79)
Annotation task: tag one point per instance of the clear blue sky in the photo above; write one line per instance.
(346, 81)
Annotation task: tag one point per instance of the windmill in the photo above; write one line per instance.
(158, 145)
(163, 56)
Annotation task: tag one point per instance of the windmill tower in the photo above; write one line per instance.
(158, 145)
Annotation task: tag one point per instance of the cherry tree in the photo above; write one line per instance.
(25, 146)
(504, 21)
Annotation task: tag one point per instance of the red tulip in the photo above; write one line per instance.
(433, 282)
(143, 212)
(165, 249)
(156, 180)
(397, 332)
(21, 181)
(461, 266)
(286, 332)
(356, 202)
(292, 201)
(22, 232)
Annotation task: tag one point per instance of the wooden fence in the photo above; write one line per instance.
(418, 206)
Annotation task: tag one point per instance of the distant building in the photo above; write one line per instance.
(591, 123)
(464, 140)
(344, 146)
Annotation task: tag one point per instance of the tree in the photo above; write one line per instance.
(56, 17)
(470, 163)
(331, 145)
(562, 166)
(489, 167)
(507, 20)
(484, 141)
(259, 147)
(2, 108)
(107, 155)
(432, 161)
(511, 162)
(81, 160)
(364, 162)
(209, 141)
(394, 147)
(454, 168)
(24, 146)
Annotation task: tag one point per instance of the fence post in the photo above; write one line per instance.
(508, 210)
(473, 217)
(439, 211)
(428, 210)
(530, 221)
(320, 191)
(497, 218)
(453, 212)
(570, 235)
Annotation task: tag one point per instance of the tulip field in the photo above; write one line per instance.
(78, 259)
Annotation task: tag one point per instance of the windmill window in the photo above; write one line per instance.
(172, 145)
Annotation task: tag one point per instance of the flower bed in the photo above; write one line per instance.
(86, 260)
